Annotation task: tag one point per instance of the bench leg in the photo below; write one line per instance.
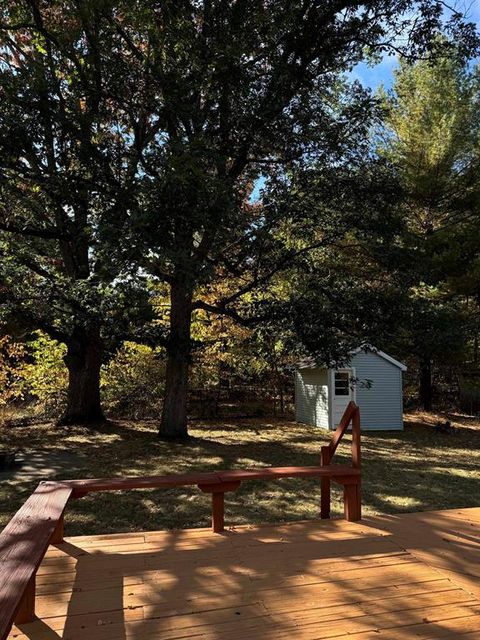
(26, 611)
(352, 502)
(57, 535)
(218, 510)
(218, 498)
(325, 498)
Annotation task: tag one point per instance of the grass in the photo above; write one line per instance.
(413, 470)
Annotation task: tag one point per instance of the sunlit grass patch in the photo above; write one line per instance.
(413, 470)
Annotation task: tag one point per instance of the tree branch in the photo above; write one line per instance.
(46, 234)
(231, 313)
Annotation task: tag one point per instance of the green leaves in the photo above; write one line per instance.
(131, 134)
(432, 137)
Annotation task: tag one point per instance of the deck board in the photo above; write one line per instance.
(385, 578)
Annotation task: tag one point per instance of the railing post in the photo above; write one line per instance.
(218, 511)
(218, 500)
(57, 535)
(357, 462)
(352, 493)
(26, 610)
(352, 502)
(356, 449)
(325, 457)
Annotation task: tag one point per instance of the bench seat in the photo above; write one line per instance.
(23, 543)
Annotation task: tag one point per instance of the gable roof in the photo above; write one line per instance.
(309, 363)
(369, 348)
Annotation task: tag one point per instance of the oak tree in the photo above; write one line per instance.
(249, 89)
(69, 159)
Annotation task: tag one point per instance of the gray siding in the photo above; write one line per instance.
(311, 397)
(380, 406)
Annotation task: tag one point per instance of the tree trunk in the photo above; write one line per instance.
(83, 360)
(425, 390)
(173, 425)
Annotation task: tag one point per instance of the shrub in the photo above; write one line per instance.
(133, 382)
(45, 376)
(11, 359)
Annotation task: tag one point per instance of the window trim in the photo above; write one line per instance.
(343, 383)
(351, 374)
(331, 392)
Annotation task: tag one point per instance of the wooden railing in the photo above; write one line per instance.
(352, 492)
(39, 522)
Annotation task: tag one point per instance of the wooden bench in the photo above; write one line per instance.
(39, 522)
(23, 544)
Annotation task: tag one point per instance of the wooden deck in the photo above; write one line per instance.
(386, 578)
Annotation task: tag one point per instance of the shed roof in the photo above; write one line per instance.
(382, 354)
(310, 363)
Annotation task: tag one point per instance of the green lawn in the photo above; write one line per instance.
(413, 470)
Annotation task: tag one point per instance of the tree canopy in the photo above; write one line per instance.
(131, 136)
(432, 137)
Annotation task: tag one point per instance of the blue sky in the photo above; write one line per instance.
(381, 73)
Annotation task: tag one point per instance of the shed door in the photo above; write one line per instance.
(342, 393)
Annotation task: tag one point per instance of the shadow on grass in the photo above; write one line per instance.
(413, 470)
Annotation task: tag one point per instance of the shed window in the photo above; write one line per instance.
(342, 383)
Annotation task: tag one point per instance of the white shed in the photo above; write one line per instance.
(371, 378)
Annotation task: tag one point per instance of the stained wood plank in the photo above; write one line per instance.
(22, 545)
(212, 479)
(423, 631)
(141, 482)
(271, 473)
(448, 540)
(302, 581)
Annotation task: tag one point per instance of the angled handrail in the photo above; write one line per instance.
(350, 416)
